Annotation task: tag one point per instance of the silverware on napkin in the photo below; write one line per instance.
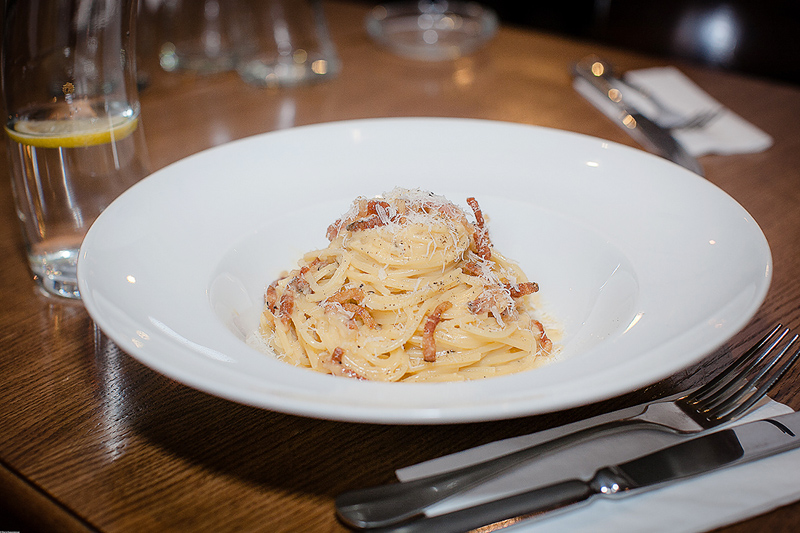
(727, 397)
(595, 81)
(721, 449)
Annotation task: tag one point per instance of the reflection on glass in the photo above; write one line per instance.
(111, 388)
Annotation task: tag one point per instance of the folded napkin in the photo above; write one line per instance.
(727, 133)
(698, 504)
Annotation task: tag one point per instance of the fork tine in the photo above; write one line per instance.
(711, 115)
(743, 384)
(757, 388)
(749, 359)
(699, 120)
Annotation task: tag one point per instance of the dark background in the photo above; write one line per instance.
(755, 37)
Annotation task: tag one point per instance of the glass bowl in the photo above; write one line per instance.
(432, 30)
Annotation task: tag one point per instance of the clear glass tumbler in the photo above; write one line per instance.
(74, 137)
(289, 44)
(204, 36)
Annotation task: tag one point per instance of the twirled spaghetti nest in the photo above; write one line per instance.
(409, 289)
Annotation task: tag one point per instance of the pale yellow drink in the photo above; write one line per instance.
(65, 171)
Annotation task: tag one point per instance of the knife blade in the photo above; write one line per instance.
(594, 80)
(714, 451)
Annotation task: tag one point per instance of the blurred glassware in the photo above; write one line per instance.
(74, 136)
(290, 44)
(203, 36)
(432, 30)
(148, 40)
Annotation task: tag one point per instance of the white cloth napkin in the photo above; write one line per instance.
(727, 133)
(698, 504)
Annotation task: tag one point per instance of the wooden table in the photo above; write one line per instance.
(91, 440)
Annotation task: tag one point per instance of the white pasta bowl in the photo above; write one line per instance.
(647, 267)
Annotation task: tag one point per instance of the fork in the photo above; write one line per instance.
(666, 117)
(657, 111)
(727, 397)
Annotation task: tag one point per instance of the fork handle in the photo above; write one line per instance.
(386, 505)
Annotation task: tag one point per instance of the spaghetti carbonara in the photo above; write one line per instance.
(409, 289)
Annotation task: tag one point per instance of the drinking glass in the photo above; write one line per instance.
(289, 44)
(75, 141)
(204, 36)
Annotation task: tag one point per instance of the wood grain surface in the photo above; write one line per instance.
(91, 440)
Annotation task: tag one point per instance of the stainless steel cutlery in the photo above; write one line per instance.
(725, 398)
(607, 92)
(699, 455)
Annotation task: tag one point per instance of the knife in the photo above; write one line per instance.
(741, 444)
(595, 81)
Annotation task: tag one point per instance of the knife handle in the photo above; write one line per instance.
(599, 74)
(511, 509)
(394, 503)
